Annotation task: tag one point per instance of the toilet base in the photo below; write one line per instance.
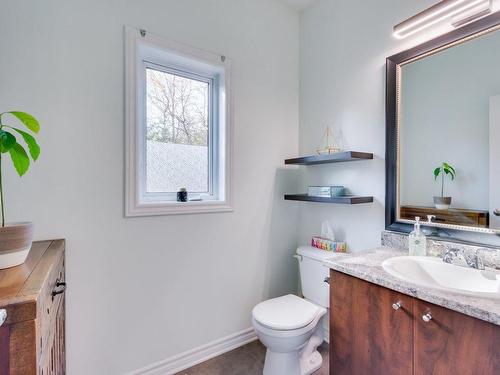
(311, 364)
(282, 363)
(291, 363)
(310, 358)
(297, 362)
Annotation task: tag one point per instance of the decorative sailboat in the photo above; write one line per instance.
(329, 147)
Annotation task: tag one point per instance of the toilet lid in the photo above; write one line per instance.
(285, 313)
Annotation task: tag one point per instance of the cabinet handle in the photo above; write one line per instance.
(327, 280)
(55, 292)
(59, 288)
(397, 305)
(427, 317)
(3, 316)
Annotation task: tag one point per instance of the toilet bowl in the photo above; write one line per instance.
(291, 330)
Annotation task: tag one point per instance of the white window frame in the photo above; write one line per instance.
(143, 50)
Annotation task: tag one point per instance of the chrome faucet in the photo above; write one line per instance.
(475, 261)
(455, 256)
(458, 258)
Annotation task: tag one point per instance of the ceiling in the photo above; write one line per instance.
(298, 4)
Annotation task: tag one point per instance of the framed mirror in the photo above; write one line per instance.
(443, 135)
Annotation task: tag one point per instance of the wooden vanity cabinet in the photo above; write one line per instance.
(32, 338)
(365, 329)
(375, 330)
(454, 343)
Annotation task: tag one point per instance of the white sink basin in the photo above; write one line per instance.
(434, 273)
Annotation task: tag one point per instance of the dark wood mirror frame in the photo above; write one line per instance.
(464, 33)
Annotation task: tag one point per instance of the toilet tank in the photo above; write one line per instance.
(313, 274)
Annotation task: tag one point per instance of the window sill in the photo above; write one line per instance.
(178, 208)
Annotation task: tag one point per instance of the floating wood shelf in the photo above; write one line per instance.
(346, 199)
(331, 158)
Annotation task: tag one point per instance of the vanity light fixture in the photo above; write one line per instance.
(458, 11)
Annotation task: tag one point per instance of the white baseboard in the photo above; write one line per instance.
(197, 355)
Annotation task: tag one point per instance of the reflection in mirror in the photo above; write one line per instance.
(449, 135)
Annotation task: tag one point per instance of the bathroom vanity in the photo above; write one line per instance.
(421, 315)
(32, 313)
(380, 324)
(438, 314)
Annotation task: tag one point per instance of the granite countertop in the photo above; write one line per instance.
(367, 265)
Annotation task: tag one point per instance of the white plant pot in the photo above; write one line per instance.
(15, 244)
(442, 203)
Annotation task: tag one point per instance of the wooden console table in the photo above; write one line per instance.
(32, 335)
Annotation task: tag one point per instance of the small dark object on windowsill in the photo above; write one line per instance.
(182, 195)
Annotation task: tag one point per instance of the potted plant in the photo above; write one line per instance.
(16, 238)
(442, 202)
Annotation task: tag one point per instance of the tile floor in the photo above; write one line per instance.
(247, 360)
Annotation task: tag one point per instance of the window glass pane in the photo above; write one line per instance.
(177, 133)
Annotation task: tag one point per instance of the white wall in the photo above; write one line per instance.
(343, 49)
(494, 158)
(445, 117)
(141, 290)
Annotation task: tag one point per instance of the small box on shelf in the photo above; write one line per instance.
(328, 245)
(325, 191)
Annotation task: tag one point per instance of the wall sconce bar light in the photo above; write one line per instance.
(446, 9)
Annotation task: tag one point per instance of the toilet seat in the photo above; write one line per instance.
(286, 313)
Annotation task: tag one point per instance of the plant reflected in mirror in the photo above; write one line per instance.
(442, 202)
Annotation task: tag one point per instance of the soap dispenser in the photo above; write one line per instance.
(417, 240)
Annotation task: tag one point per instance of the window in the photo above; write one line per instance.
(177, 131)
(177, 127)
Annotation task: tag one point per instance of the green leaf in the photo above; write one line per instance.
(31, 142)
(449, 170)
(29, 121)
(7, 141)
(20, 159)
(446, 165)
(437, 171)
(452, 170)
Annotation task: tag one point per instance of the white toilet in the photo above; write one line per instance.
(291, 327)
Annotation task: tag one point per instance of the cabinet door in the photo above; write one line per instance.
(368, 336)
(4, 349)
(454, 343)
